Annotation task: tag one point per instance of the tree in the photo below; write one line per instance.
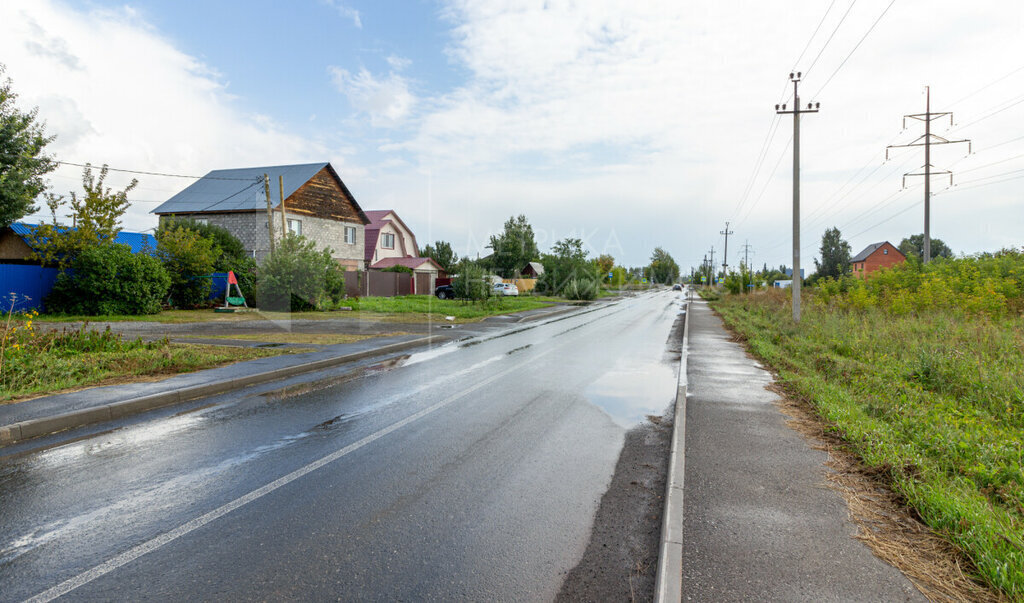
(442, 253)
(663, 269)
(189, 258)
(22, 160)
(298, 276)
(96, 217)
(835, 255)
(604, 263)
(914, 246)
(513, 248)
(568, 272)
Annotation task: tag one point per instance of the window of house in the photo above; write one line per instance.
(202, 221)
(350, 235)
(388, 241)
(295, 227)
(885, 252)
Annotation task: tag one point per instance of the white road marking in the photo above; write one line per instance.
(151, 545)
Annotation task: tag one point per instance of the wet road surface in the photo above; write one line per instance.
(469, 471)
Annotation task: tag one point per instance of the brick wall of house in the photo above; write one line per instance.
(885, 256)
(251, 230)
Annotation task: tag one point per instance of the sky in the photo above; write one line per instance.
(629, 125)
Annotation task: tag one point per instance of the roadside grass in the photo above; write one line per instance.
(409, 308)
(50, 372)
(429, 307)
(932, 400)
(296, 338)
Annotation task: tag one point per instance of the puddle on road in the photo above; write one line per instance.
(633, 389)
(640, 383)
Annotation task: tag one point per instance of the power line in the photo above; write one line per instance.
(986, 86)
(773, 126)
(1013, 102)
(813, 35)
(993, 176)
(838, 25)
(766, 183)
(864, 37)
(897, 214)
(958, 187)
(83, 165)
(974, 169)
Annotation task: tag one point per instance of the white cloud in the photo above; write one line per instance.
(398, 63)
(647, 117)
(387, 100)
(115, 92)
(345, 11)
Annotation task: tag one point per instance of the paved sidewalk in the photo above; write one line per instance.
(760, 523)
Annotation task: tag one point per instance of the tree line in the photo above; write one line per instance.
(569, 269)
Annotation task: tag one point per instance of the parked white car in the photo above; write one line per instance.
(506, 289)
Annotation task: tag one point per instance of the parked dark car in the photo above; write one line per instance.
(444, 292)
(677, 287)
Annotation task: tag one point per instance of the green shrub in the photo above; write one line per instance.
(189, 259)
(110, 279)
(576, 288)
(470, 283)
(398, 268)
(299, 277)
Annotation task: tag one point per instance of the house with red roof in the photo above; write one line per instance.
(390, 242)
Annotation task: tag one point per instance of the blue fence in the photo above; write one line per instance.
(26, 284)
(218, 282)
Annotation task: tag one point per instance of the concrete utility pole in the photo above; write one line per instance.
(927, 141)
(725, 253)
(746, 253)
(270, 212)
(284, 220)
(797, 111)
(712, 265)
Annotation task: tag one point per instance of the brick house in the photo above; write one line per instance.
(390, 242)
(875, 257)
(317, 205)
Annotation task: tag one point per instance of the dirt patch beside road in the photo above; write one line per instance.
(621, 559)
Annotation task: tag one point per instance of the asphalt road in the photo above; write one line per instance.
(472, 471)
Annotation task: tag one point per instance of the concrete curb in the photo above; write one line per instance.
(32, 428)
(668, 585)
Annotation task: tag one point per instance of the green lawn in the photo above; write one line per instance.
(934, 400)
(410, 308)
(38, 373)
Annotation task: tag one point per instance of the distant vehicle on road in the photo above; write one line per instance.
(677, 287)
(506, 289)
(444, 292)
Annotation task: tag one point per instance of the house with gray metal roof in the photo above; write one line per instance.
(875, 257)
(316, 204)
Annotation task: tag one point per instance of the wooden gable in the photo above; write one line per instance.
(326, 196)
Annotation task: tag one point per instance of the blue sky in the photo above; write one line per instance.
(628, 124)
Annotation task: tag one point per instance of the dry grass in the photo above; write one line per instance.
(297, 338)
(885, 524)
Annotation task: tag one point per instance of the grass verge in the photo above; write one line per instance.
(934, 401)
(50, 363)
(409, 308)
(296, 338)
